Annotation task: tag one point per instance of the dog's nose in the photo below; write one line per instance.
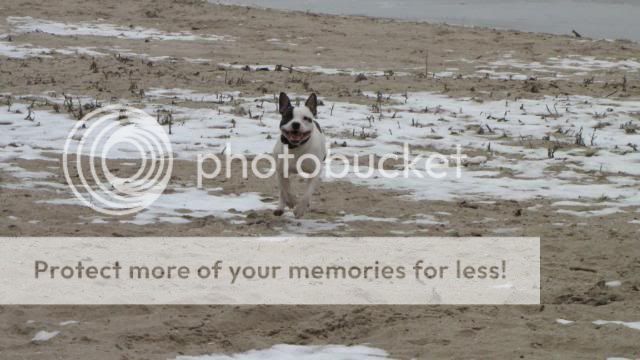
(295, 126)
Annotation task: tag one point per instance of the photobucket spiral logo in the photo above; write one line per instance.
(117, 160)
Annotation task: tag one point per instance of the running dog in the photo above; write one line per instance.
(302, 143)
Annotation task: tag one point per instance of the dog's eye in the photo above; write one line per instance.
(306, 118)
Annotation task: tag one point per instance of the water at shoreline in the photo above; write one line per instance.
(608, 19)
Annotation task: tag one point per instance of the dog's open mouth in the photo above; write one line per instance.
(296, 136)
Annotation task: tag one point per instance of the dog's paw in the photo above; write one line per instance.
(278, 212)
(300, 210)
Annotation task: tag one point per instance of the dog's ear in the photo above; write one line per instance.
(284, 103)
(312, 104)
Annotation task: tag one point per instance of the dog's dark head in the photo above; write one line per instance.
(297, 124)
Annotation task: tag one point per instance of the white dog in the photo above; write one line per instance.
(303, 144)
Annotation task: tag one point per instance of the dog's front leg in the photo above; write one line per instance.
(286, 198)
(303, 205)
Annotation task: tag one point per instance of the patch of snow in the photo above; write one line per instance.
(22, 51)
(571, 203)
(514, 169)
(182, 205)
(197, 60)
(77, 50)
(318, 70)
(591, 213)
(444, 74)
(352, 217)
(502, 75)
(43, 335)
(571, 63)
(590, 63)
(21, 173)
(423, 219)
(28, 24)
(506, 231)
(613, 283)
(398, 232)
(301, 352)
(632, 325)
(199, 203)
(68, 322)
(564, 322)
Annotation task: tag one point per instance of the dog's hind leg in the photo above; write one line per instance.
(303, 205)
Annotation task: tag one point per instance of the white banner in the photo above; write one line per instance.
(293, 270)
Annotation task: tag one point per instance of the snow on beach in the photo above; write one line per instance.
(507, 67)
(14, 50)
(25, 25)
(28, 24)
(42, 335)
(516, 165)
(24, 50)
(575, 149)
(315, 69)
(301, 352)
(21, 51)
(628, 324)
(338, 352)
(570, 62)
(632, 325)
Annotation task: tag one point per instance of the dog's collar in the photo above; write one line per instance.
(286, 141)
